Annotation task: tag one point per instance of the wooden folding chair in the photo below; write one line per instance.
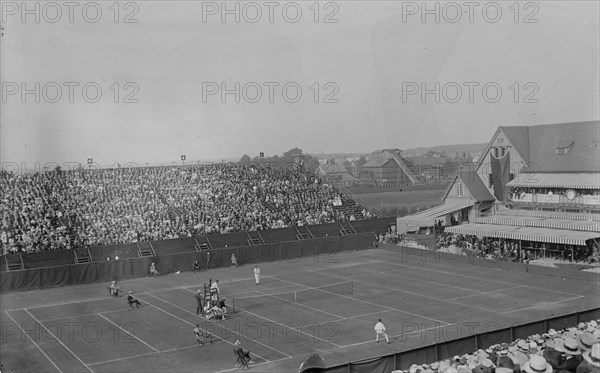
(240, 360)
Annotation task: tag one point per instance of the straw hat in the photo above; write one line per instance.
(537, 364)
(593, 356)
(586, 341)
(570, 347)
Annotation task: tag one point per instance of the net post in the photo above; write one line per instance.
(233, 305)
(351, 287)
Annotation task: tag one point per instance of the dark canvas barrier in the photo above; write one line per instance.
(104, 253)
(48, 259)
(449, 349)
(3, 264)
(374, 365)
(494, 337)
(178, 245)
(323, 230)
(107, 270)
(379, 225)
(230, 240)
(424, 354)
(436, 352)
(279, 235)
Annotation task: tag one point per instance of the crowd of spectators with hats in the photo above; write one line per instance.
(570, 350)
(79, 208)
(509, 250)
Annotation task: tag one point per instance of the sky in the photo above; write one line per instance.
(350, 76)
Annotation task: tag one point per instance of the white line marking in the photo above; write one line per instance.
(254, 365)
(285, 326)
(544, 304)
(395, 336)
(486, 292)
(347, 318)
(117, 325)
(183, 309)
(83, 315)
(380, 305)
(59, 341)
(421, 295)
(146, 354)
(471, 277)
(300, 304)
(64, 303)
(35, 344)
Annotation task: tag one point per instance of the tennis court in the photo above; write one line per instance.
(300, 307)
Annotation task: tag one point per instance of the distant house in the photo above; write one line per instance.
(386, 167)
(334, 172)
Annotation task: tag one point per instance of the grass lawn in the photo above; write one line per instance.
(403, 202)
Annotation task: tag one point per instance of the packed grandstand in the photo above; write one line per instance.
(570, 350)
(80, 208)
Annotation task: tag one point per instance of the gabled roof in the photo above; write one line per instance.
(583, 155)
(376, 162)
(473, 184)
(538, 145)
(519, 138)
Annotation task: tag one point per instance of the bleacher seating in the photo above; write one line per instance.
(86, 208)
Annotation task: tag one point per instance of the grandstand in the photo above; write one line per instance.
(85, 208)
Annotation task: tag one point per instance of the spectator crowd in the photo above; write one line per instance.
(68, 209)
(508, 250)
(570, 350)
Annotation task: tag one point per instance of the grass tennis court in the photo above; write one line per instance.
(301, 306)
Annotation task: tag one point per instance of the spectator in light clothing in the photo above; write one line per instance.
(380, 331)
(153, 270)
(257, 275)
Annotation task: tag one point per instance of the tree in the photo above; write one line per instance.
(245, 159)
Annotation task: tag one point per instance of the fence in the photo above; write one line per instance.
(107, 270)
(439, 351)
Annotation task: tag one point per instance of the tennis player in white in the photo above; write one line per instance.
(257, 275)
(380, 330)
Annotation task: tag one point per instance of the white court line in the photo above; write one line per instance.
(486, 292)
(285, 326)
(83, 315)
(380, 305)
(471, 277)
(300, 304)
(126, 331)
(347, 318)
(391, 273)
(254, 365)
(59, 341)
(544, 304)
(146, 354)
(35, 344)
(183, 309)
(395, 336)
(64, 303)
(421, 295)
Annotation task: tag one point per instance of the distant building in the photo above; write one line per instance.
(538, 185)
(333, 171)
(386, 167)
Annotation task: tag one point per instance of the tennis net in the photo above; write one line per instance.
(299, 296)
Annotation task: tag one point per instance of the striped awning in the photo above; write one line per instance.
(541, 222)
(427, 218)
(581, 180)
(534, 234)
(550, 214)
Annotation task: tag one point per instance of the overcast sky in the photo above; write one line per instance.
(365, 65)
